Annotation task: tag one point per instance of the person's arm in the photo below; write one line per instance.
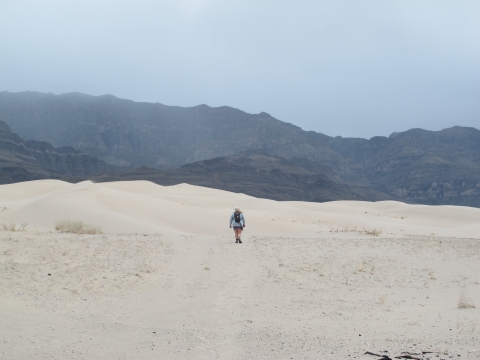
(243, 218)
(231, 219)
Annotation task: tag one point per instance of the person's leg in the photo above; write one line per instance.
(236, 234)
(239, 235)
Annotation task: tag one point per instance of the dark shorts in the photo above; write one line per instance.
(238, 228)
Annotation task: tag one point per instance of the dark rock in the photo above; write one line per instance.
(22, 160)
(253, 173)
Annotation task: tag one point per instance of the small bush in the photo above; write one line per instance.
(77, 227)
(374, 232)
(465, 302)
(13, 227)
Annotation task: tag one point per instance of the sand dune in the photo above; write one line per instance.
(144, 207)
(167, 281)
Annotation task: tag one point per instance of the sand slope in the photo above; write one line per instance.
(144, 207)
(167, 281)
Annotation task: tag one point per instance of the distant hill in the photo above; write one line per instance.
(123, 132)
(257, 174)
(22, 160)
(418, 166)
(429, 167)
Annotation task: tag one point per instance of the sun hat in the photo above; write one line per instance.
(237, 208)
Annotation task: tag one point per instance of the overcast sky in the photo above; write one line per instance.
(350, 68)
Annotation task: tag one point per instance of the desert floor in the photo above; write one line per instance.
(166, 280)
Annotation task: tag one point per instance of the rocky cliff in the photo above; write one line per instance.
(257, 174)
(22, 160)
(429, 167)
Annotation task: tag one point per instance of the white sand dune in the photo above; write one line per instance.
(167, 281)
(144, 207)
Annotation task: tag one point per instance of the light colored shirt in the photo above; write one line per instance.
(234, 223)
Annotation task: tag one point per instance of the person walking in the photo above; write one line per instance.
(237, 220)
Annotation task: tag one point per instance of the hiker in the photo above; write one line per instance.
(237, 220)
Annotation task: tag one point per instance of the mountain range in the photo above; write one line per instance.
(416, 166)
(258, 174)
(22, 160)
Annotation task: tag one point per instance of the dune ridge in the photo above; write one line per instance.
(144, 207)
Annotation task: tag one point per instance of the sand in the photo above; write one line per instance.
(166, 279)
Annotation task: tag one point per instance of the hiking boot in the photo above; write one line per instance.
(240, 241)
(236, 241)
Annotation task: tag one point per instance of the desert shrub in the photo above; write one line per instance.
(77, 227)
(375, 232)
(13, 227)
(465, 302)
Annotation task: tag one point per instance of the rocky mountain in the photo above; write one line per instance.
(429, 167)
(123, 132)
(22, 160)
(419, 166)
(258, 174)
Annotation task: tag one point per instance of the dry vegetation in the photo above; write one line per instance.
(465, 302)
(77, 227)
(374, 231)
(14, 227)
(341, 229)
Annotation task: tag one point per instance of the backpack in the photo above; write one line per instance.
(236, 217)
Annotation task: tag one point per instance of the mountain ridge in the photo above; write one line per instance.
(434, 167)
(22, 160)
(255, 173)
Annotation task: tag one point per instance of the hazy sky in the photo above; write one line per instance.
(349, 68)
